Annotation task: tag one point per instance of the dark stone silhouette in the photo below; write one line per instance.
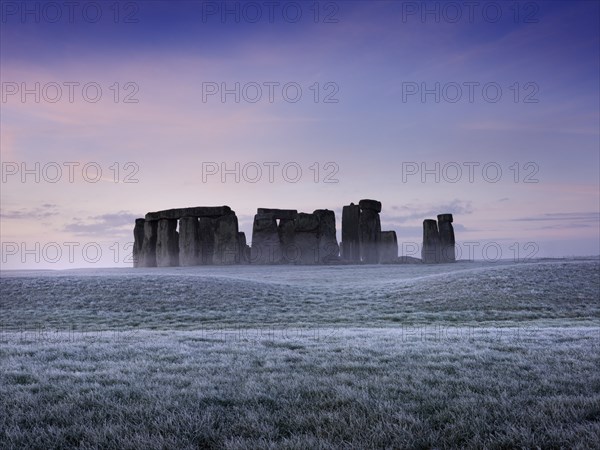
(148, 253)
(307, 222)
(244, 248)
(189, 242)
(370, 231)
(388, 251)
(226, 246)
(328, 246)
(266, 248)
(288, 237)
(207, 239)
(138, 239)
(206, 235)
(430, 253)
(306, 238)
(286, 231)
(288, 214)
(372, 205)
(167, 243)
(438, 240)
(350, 233)
(447, 242)
(197, 211)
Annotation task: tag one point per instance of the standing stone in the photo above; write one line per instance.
(266, 248)
(189, 241)
(167, 243)
(388, 253)
(286, 231)
(372, 205)
(207, 239)
(350, 233)
(430, 252)
(306, 239)
(148, 253)
(244, 248)
(329, 249)
(447, 242)
(226, 249)
(138, 239)
(370, 230)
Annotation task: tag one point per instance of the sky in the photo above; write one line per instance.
(486, 110)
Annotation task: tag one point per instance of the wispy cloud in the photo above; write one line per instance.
(105, 224)
(410, 212)
(43, 211)
(593, 217)
(564, 221)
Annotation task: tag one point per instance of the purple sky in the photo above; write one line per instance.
(388, 88)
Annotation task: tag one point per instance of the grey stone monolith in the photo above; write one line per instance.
(447, 241)
(370, 231)
(167, 243)
(388, 247)
(430, 252)
(189, 242)
(226, 247)
(207, 239)
(306, 239)
(148, 252)
(244, 248)
(329, 249)
(266, 248)
(372, 205)
(350, 233)
(286, 230)
(138, 240)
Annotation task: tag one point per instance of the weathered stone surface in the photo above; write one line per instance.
(306, 245)
(244, 248)
(445, 218)
(430, 252)
(350, 233)
(307, 222)
(207, 239)
(447, 241)
(370, 231)
(197, 211)
(189, 242)
(167, 243)
(306, 239)
(286, 230)
(373, 205)
(388, 244)
(138, 239)
(210, 235)
(226, 249)
(279, 213)
(266, 248)
(148, 253)
(329, 249)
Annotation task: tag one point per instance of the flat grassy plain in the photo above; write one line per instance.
(465, 355)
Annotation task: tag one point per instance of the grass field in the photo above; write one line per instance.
(465, 355)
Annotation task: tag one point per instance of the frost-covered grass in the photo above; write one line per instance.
(357, 388)
(369, 296)
(468, 355)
